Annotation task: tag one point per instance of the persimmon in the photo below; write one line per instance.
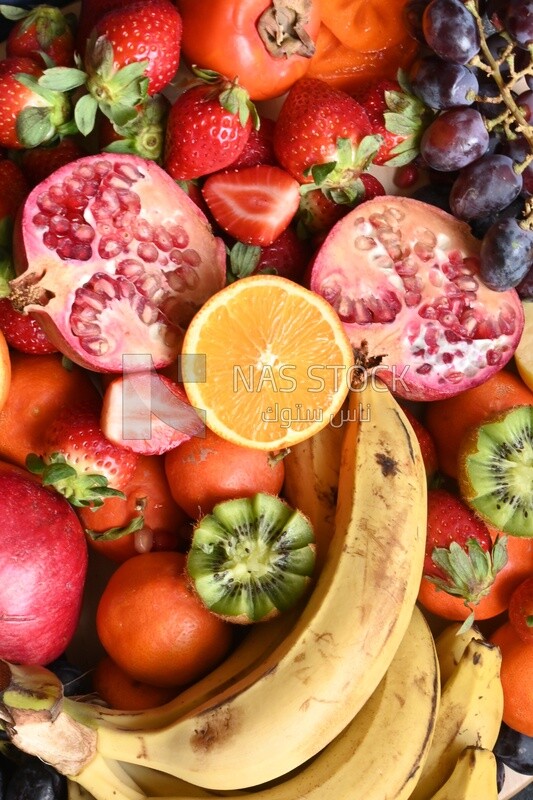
(516, 677)
(449, 420)
(147, 519)
(119, 690)
(207, 470)
(519, 567)
(152, 624)
(350, 67)
(40, 385)
(5, 371)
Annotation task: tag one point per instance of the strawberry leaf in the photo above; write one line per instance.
(85, 114)
(243, 260)
(34, 126)
(80, 489)
(62, 79)
(469, 574)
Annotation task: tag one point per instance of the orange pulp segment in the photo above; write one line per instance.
(268, 361)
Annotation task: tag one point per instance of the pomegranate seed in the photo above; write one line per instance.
(147, 251)
(110, 247)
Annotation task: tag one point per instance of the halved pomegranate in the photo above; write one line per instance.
(114, 258)
(403, 277)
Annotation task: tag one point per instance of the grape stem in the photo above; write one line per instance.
(513, 110)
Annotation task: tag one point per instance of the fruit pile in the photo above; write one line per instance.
(266, 424)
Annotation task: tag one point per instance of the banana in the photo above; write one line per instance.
(470, 714)
(312, 480)
(451, 644)
(247, 655)
(474, 777)
(371, 758)
(312, 684)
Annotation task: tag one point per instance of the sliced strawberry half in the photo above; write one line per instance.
(254, 204)
(148, 413)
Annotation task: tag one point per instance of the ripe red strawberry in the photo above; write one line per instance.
(43, 29)
(37, 163)
(13, 191)
(79, 461)
(461, 558)
(22, 332)
(288, 256)
(259, 148)
(90, 12)
(254, 204)
(322, 136)
(427, 445)
(207, 127)
(31, 114)
(398, 117)
(132, 53)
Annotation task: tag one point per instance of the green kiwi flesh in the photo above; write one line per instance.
(497, 471)
(251, 558)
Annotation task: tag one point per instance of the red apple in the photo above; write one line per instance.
(43, 563)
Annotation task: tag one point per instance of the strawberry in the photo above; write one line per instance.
(22, 332)
(461, 558)
(143, 136)
(146, 32)
(79, 461)
(208, 127)
(253, 204)
(90, 12)
(318, 213)
(398, 117)
(322, 137)
(31, 114)
(133, 52)
(259, 148)
(42, 33)
(288, 256)
(427, 445)
(38, 163)
(13, 190)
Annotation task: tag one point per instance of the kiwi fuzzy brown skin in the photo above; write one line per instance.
(486, 454)
(251, 536)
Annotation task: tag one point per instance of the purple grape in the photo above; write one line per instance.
(485, 187)
(518, 149)
(506, 254)
(454, 139)
(518, 19)
(441, 84)
(488, 88)
(413, 11)
(515, 750)
(524, 101)
(451, 30)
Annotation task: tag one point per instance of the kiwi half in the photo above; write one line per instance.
(496, 470)
(251, 558)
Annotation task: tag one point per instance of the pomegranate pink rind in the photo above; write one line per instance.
(403, 278)
(114, 258)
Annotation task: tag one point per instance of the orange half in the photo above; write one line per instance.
(268, 361)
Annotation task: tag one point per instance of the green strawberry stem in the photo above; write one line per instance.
(80, 489)
(339, 179)
(469, 574)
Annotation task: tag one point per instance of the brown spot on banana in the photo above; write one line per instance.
(388, 465)
(220, 724)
